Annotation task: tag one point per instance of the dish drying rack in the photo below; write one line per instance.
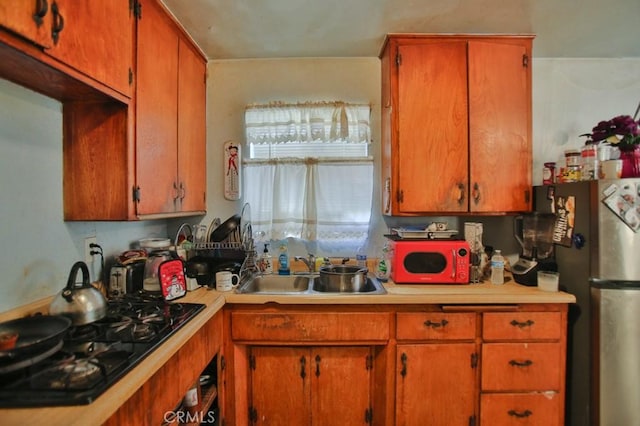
(243, 249)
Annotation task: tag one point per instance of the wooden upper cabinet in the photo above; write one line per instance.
(170, 118)
(96, 38)
(192, 162)
(454, 107)
(30, 19)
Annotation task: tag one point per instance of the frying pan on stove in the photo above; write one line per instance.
(36, 334)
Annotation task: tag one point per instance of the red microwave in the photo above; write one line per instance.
(430, 261)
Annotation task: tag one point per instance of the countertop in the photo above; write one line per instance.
(100, 410)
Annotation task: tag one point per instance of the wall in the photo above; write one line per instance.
(38, 247)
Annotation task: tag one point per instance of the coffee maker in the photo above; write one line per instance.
(534, 232)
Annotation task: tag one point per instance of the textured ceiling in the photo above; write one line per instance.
(232, 29)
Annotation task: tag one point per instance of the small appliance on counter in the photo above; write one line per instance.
(126, 275)
(431, 255)
(534, 232)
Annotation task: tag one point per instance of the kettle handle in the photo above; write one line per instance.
(71, 282)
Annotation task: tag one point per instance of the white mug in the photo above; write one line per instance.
(225, 280)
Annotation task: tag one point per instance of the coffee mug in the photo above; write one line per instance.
(225, 280)
(611, 169)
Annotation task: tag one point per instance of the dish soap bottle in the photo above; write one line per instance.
(497, 268)
(283, 260)
(266, 266)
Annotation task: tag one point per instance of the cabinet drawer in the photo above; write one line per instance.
(522, 366)
(521, 409)
(309, 327)
(436, 326)
(521, 325)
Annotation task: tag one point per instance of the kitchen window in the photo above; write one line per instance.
(308, 174)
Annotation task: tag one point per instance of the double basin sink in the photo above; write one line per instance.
(303, 284)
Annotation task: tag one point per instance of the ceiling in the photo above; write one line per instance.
(241, 29)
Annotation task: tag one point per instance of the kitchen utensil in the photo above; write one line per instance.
(343, 278)
(36, 334)
(226, 230)
(83, 304)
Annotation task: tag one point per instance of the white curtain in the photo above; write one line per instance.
(322, 197)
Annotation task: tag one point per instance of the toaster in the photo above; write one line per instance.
(126, 279)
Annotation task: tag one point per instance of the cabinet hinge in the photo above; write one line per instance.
(368, 415)
(252, 362)
(223, 363)
(130, 76)
(472, 420)
(399, 195)
(398, 59)
(527, 196)
(253, 415)
(369, 365)
(525, 60)
(474, 360)
(136, 194)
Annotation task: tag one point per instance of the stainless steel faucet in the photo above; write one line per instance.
(310, 262)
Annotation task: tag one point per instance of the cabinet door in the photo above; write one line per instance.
(191, 129)
(499, 127)
(96, 38)
(436, 384)
(29, 18)
(280, 388)
(432, 156)
(341, 390)
(156, 111)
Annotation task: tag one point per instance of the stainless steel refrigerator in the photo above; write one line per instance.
(598, 256)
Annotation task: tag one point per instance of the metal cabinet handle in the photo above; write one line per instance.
(476, 193)
(183, 191)
(527, 323)
(303, 365)
(58, 22)
(429, 323)
(42, 7)
(519, 414)
(403, 359)
(461, 188)
(525, 363)
(318, 359)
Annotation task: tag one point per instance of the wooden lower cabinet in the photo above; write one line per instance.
(157, 399)
(397, 365)
(310, 386)
(436, 384)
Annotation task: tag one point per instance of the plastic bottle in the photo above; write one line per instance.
(361, 256)
(497, 268)
(266, 264)
(383, 267)
(283, 260)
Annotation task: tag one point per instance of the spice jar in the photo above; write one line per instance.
(548, 173)
(589, 162)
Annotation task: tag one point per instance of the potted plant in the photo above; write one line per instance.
(622, 131)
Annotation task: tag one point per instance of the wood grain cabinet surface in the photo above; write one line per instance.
(454, 108)
(133, 88)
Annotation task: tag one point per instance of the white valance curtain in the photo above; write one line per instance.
(313, 179)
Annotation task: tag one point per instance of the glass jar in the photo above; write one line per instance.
(548, 173)
(589, 162)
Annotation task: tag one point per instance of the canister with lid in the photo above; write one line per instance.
(158, 251)
(589, 160)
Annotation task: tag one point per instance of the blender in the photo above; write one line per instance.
(534, 232)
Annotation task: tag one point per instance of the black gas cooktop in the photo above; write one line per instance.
(93, 357)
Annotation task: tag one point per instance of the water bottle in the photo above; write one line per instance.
(497, 268)
(361, 256)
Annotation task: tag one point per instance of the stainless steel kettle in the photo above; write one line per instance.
(83, 304)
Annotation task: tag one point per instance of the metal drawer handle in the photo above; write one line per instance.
(525, 363)
(527, 323)
(429, 323)
(525, 413)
